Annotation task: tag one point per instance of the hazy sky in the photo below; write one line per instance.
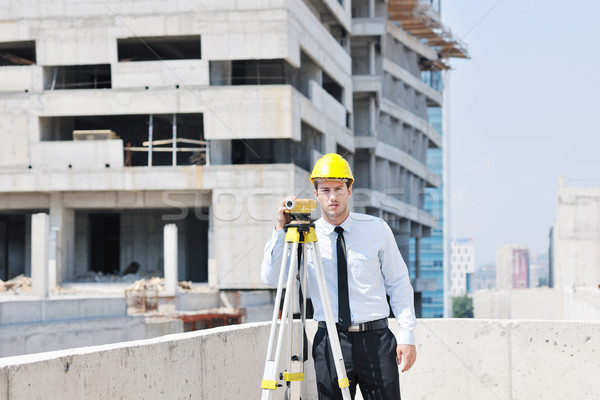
(522, 110)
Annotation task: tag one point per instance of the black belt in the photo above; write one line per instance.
(362, 327)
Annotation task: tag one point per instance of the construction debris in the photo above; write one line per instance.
(185, 285)
(154, 283)
(142, 295)
(16, 284)
(109, 278)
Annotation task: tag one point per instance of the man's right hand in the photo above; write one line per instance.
(282, 217)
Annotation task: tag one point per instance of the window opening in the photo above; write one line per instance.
(159, 48)
(12, 245)
(17, 53)
(96, 76)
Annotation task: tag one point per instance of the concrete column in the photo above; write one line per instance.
(220, 73)
(372, 58)
(213, 273)
(52, 257)
(372, 116)
(371, 8)
(220, 152)
(372, 170)
(40, 227)
(62, 241)
(170, 250)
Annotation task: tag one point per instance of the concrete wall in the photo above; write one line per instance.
(77, 154)
(30, 325)
(21, 78)
(35, 338)
(576, 304)
(457, 359)
(577, 237)
(167, 73)
(242, 219)
(64, 308)
(537, 303)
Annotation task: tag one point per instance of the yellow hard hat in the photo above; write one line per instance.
(332, 166)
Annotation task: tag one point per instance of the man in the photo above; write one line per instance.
(362, 264)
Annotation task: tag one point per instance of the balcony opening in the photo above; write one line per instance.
(332, 87)
(131, 241)
(360, 57)
(252, 72)
(363, 120)
(134, 131)
(17, 53)
(96, 76)
(13, 245)
(339, 34)
(159, 48)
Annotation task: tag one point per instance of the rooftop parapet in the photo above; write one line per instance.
(457, 359)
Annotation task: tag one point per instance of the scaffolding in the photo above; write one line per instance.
(421, 19)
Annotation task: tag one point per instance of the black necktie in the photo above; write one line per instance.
(343, 299)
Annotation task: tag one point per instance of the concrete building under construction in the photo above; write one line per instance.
(119, 118)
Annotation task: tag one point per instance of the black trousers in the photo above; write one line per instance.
(370, 359)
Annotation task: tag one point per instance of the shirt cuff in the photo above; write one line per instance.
(405, 336)
(276, 239)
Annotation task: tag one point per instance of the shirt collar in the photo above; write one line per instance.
(347, 225)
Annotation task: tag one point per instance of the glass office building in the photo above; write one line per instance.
(432, 248)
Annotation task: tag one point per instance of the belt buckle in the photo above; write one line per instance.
(354, 328)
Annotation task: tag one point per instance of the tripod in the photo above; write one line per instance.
(300, 234)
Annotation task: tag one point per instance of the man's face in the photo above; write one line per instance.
(333, 197)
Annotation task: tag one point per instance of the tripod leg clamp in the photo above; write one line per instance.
(266, 384)
(293, 377)
(343, 383)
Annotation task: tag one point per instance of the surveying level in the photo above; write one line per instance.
(300, 208)
(300, 238)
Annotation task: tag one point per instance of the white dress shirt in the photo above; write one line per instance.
(375, 267)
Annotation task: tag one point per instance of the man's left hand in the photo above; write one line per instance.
(408, 353)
